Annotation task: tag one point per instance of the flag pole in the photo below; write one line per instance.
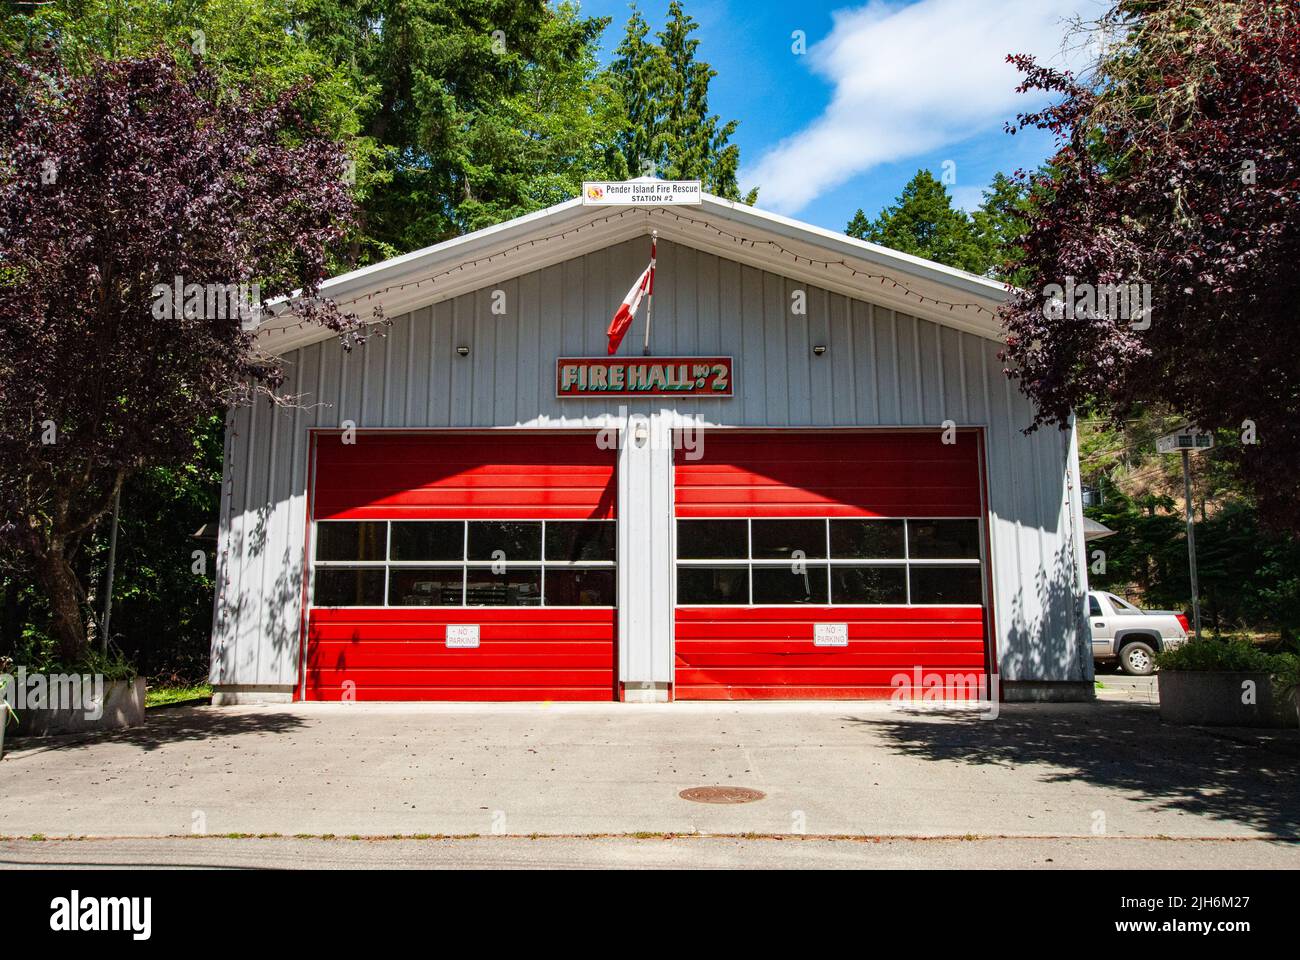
(650, 306)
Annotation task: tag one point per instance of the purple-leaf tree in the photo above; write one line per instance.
(144, 213)
(1163, 244)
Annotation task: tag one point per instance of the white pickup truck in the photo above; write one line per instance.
(1121, 632)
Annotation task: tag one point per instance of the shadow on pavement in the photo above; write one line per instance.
(164, 727)
(1236, 776)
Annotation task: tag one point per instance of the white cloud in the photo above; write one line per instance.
(910, 80)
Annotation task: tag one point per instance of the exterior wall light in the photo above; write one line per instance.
(463, 351)
(640, 433)
(819, 349)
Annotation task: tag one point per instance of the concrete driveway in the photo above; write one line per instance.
(1101, 770)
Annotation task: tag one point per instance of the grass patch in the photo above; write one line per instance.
(162, 696)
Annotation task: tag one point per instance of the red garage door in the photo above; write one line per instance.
(835, 565)
(462, 567)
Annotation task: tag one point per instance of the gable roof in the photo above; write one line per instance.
(801, 251)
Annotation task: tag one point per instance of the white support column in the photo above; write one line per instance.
(645, 612)
(1078, 544)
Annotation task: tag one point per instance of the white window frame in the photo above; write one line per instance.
(906, 562)
(388, 565)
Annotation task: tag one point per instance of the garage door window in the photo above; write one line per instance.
(349, 588)
(351, 540)
(713, 585)
(458, 563)
(859, 562)
(789, 583)
(503, 586)
(423, 587)
(713, 539)
(943, 539)
(425, 540)
(866, 586)
(508, 541)
(788, 539)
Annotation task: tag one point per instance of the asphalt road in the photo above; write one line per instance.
(632, 853)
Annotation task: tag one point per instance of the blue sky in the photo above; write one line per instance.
(885, 88)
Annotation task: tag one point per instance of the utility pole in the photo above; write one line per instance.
(112, 562)
(1187, 441)
(1191, 541)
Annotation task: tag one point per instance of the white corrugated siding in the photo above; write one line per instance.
(881, 368)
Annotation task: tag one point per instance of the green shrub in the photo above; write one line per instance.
(40, 658)
(112, 665)
(1230, 656)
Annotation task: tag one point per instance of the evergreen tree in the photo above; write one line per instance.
(859, 226)
(924, 223)
(665, 90)
(485, 110)
(638, 69)
(999, 223)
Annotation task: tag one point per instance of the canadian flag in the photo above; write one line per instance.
(626, 312)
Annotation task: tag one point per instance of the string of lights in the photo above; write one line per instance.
(827, 264)
(738, 239)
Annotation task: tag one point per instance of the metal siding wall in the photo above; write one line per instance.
(1075, 533)
(256, 475)
(882, 368)
(282, 564)
(226, 566)
(882, 359)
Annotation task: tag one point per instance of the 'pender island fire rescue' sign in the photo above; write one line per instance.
(643, 377)
(641, 193)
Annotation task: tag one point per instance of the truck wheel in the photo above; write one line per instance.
(1137, 658)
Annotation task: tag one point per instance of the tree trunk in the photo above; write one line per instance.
(67, 627)
(9, 618)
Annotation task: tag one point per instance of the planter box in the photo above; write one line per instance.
(123, 707)
(1214, 699)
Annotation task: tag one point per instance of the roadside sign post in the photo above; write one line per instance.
(1186, 442)
(1191, 541)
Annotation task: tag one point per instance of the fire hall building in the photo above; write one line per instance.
(812, 483)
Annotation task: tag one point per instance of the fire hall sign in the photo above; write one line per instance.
(643, 377)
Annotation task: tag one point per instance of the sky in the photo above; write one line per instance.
(883, 88)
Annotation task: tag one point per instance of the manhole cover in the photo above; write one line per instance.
(722, 794)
